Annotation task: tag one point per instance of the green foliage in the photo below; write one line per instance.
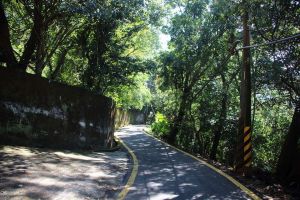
(201, 72)
(160, 127)
(270, 128)
(135, 96)
(144, 44)
(99, 45)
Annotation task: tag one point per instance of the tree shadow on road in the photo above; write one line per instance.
(165, 173)
(49, 174)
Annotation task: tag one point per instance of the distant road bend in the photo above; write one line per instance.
(165, 173)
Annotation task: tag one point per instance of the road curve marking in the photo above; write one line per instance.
(134, 171)
(230, 178)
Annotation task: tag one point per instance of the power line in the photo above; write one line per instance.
(272, 42)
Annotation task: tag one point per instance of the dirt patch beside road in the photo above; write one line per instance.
(31, 173)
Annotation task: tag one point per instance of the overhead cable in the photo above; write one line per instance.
(271, 42)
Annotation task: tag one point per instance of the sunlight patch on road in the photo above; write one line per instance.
(21, 151)
(41, 181)
(162, 196)
(186, 184)
(77, 156)
(154, 185)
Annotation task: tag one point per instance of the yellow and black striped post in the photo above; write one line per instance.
(247, 147)
(244, 149)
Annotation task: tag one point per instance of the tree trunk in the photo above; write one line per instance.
(40, 54)
(60, 62)
(179, 117)
(6, 50)
(35, 35)
(288, 156)
(220, 123)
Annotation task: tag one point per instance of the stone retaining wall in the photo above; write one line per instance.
(35, 111)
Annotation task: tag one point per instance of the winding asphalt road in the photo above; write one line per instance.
(165, 173)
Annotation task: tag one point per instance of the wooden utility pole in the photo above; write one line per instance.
(245, 149)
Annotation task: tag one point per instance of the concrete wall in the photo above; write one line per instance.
(125, 117)
(122, 118)
(137, 117)
(34, 111)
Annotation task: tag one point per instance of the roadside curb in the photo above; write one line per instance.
(251, 194)
(134, 170)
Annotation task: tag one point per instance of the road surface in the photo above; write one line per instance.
(165, 173)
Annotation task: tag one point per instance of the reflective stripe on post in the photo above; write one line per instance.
(247, 146)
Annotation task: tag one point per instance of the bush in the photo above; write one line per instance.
(160, 127)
